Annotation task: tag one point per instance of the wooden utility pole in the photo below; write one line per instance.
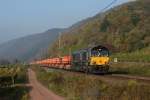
(70, 51)
(59, 44)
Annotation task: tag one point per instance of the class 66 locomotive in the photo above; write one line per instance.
(90, 60)
(94, 59)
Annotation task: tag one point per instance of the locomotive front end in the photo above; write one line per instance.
(100, 58)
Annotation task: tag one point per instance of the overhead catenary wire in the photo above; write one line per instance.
(109, 5)
(59, 44)
(59, 41)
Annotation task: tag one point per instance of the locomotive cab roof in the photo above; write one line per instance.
(90, 49)
(99, 47)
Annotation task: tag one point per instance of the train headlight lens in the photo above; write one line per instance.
(100, 61)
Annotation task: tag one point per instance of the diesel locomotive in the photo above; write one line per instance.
(94, 60)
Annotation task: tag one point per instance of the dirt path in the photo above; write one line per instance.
(38, 91)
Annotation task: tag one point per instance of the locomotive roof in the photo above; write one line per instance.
(90, 48)
(99, 47)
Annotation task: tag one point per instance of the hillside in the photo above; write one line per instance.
(28, 47)
(124, 28)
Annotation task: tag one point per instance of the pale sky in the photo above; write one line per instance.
(23, 17)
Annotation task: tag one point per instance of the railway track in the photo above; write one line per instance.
(133, 77)
(110, 76)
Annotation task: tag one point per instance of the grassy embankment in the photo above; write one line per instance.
(12, 85)
(139, 69)
(86, 87)
(135, 63)
(136, 56)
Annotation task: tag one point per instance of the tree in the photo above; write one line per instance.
(135, 19)
(105, 24)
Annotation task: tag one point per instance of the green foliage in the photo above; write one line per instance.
(86, 87)
(14, 93)
(133, 68)
(125, 28)
(135, 19)
(142, 55)
(12, 80)
(104, 26)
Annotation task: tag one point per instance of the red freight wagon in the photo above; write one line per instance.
(49, 61)
(46, 61)
(58, 60)
(66, 59)
(43, 62)
(54, 60)
(39, 62)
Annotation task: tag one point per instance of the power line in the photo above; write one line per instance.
(59, 41)
(59, 44)
(110, 4)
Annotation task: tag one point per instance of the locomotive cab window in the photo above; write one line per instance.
(98, 52)
(104, 53)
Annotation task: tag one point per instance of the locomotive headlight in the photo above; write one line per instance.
(106, 63)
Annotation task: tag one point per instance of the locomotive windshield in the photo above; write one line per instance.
(98, 52)
(103, 52)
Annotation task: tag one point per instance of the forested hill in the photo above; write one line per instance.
(125, 28)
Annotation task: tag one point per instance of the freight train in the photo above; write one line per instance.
(94, 60)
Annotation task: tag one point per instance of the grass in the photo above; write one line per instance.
(86, 87)
(137, 56)
(14, 93)
(141, 69)
(135, 63)
(13, 85)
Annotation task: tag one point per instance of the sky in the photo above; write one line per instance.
(23, 17)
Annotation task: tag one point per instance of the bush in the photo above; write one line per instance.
(13, 88)
(86, 87)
